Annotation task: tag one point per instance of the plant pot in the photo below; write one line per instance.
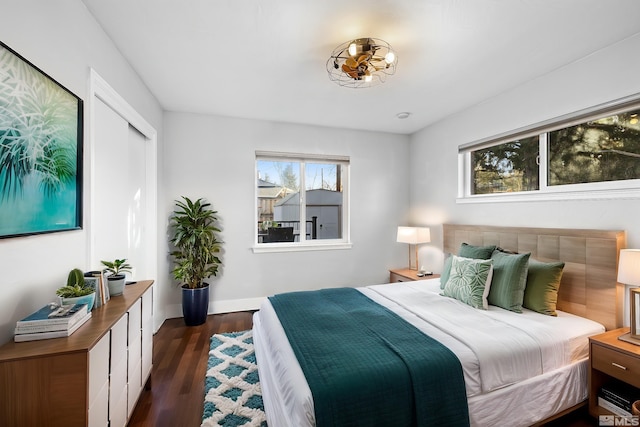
(116, 284)
(86, 299)
(195, 305)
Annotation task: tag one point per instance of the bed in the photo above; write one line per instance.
(543, 372)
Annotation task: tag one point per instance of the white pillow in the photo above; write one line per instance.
(470, 281)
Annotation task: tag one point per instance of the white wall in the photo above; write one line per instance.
(214, 157)
(603, 76)
(62, 39)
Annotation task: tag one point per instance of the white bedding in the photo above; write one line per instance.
(510, 347)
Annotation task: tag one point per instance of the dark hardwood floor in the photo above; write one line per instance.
(179, 364)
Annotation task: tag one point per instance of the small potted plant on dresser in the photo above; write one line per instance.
(195, 254)
(116, 278)
(76, 291)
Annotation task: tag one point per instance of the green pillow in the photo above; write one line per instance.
(469, 281)
(476, 252)
(543, 283)
(446, 269)
(509, 280)
(466, 251)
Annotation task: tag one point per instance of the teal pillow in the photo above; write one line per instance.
(476, 252)
(446, 270)
(543, 283)
(509, 280)
(469, 281)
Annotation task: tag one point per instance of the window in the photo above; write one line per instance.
(302, 200)
(507, 167)
(605, 149)
(594, 154)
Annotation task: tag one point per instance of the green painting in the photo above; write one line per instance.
(40, 150)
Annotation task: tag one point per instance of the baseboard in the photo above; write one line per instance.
(229, 306)
(217, 307)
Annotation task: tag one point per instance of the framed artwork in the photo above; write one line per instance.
(40, 151)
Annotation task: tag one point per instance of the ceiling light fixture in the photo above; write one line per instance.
(362, 62)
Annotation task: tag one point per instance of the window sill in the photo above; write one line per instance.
(300, 247)
(534, 196)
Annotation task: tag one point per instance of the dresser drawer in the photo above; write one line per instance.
(617, 364)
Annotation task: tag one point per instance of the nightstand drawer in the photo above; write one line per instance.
(395, 278)
(617, 364)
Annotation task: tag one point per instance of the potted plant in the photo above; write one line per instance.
(116, 277)
(195, 254)
(77, 291)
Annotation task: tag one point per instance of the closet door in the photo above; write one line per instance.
(119, 188)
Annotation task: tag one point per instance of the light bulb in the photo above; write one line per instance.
(389, 57)
(353, 49)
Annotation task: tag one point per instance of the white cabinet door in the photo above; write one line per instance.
(134, 362)
(147, 334)
(118, 373)
(99, 383)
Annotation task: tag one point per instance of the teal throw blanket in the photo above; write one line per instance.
(366, 366)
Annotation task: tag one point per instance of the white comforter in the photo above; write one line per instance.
(496, 347)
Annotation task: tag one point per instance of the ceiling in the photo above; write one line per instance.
(266, 59)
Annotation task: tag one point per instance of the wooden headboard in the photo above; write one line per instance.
(589, 286)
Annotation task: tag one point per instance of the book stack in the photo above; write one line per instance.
(617, 397)
(98, 281)
(51, 321)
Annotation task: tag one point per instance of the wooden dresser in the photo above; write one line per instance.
(91, 378)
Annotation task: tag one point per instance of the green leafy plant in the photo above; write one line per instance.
(75, 286)
(195, 245)
(118, 266)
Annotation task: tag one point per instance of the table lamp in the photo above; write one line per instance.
(629, 274)
(413, 236)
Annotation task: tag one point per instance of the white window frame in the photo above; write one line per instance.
(627, 189)
(305, 244)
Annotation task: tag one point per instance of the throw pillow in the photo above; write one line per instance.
(469, 281)
(476, 252)
(543, 283)
(446, 270)
(509, 280)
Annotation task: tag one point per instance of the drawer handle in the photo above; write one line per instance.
(624, 368)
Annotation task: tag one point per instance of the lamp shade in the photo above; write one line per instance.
(414, 235)
(629, 267)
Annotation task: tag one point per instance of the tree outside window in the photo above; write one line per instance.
(603, 149)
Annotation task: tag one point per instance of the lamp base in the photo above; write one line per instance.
(628, 338)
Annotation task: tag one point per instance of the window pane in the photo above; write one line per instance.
(323, 185)
(278, 201)
(508, 167)
(606, 149)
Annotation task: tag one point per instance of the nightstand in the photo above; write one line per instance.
(611, 358)
(407, 275)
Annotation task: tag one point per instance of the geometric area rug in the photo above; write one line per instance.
(233, 396)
